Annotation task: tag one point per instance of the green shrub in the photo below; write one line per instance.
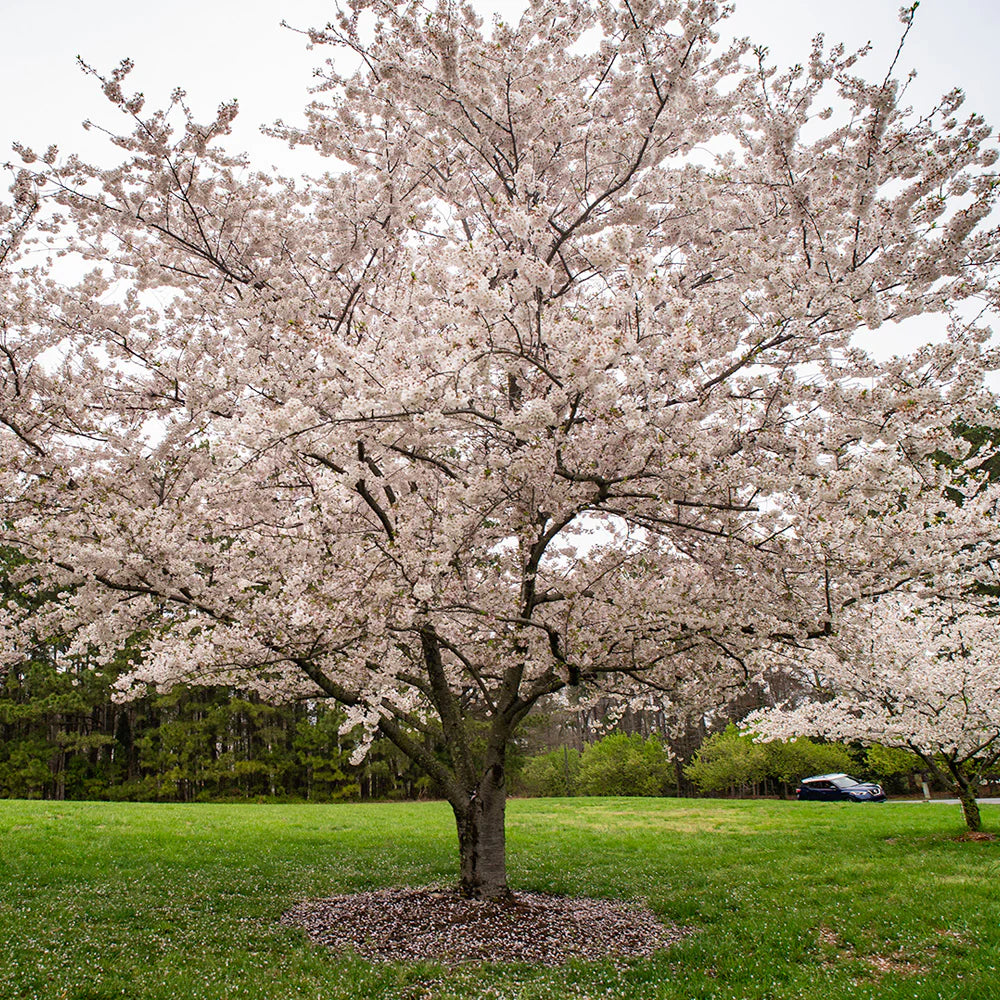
(788, 761)
(883, 763)
(727, 761)
(735, 761)
(552, 774)
(625, 765)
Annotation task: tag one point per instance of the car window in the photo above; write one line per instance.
(844, 782)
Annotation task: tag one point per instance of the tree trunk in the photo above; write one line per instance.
(481, 840)
(967, 796)
(970, 808)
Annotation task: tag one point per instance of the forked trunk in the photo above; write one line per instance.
(481, 840)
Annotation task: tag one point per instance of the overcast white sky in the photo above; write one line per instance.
(219, 49)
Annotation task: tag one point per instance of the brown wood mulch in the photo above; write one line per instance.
(439, 925)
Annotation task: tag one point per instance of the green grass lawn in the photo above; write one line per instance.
(805, 900)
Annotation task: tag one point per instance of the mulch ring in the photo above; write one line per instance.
(976, 835)
(439, 925)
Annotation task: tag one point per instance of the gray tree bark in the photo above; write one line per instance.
(481, 837)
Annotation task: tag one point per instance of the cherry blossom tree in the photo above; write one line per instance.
(556, 379)
(923, 677)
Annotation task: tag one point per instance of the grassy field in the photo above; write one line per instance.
(791, 900)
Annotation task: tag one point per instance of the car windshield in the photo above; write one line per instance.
(844, 781)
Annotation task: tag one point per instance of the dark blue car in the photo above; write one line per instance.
(839, 787)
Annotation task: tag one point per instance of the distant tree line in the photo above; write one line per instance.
(63, 736)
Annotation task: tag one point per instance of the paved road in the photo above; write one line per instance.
(946, 802)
